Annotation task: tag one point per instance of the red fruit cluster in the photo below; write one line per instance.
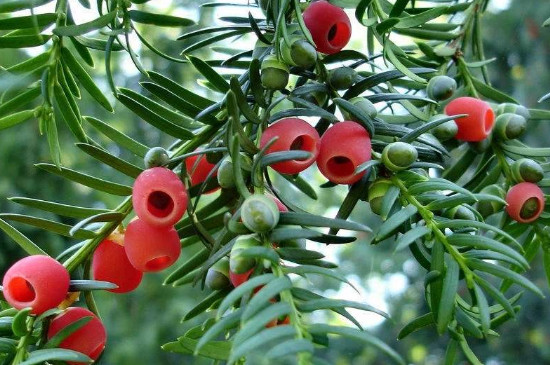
(151, 242)
(38, 281)
(480, 120)
(340, 150)
(329, 26)
(89, 339)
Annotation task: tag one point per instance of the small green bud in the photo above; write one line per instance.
(399, 155)
(488, 207)
(225, 174)
(529, 208)
(217, 277)
(460, 212)
(440, 87)
(513, 108)
(527, 170)
(444, 131)
(274, 73)
(365, 105)
(156, 156)
(342, 78)
(510, 126)
(300, 52)
(237, 263)
(377, 190)
(259, 213)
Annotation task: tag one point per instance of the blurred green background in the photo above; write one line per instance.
(139, 322)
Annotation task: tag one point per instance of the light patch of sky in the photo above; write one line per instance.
(374, 291)
(83, 15)
(499, 5)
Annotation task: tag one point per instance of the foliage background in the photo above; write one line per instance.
(139, 322)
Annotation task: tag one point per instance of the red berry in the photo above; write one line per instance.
(238, 279)
(294, 134)
(285, 321)
(525, 202)
(38, 281)
(198, 171)
(344, 147)
(479, 122)
(89, 339)
(271, 323)
(159, 197)
(280, 205)
(111, 264)
(329, 25)
(151, 248)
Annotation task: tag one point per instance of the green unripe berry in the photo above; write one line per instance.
(527, 170)
(240, 265)
(156, 156)
(365, 105)
(237, 263)
(440, 87)
(529, 208)
(225, 176)
(377, 190)
(513, 108)
(259, 213)
(300, 52)
(488, 207)
(342, 78)
(460, 212)
(398, 156)
(446, 130)
(217, 277)
(510, 126)
(274, 73)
